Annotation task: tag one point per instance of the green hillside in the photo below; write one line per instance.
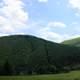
(75, 42)
(26, 54)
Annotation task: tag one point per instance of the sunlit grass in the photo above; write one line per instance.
(74, 75)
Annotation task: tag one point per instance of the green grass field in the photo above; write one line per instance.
(74, 75)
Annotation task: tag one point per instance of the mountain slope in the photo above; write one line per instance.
(74, 42)
(29, 54)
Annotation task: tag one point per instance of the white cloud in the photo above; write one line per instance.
(43, 1)
(56, 24)
(75, 4)
(12, 16)
(1, 34)
(52, 36)
(47, 34)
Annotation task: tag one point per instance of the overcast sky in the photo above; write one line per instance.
(54, 20)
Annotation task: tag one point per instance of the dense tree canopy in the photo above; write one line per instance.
(27, 54)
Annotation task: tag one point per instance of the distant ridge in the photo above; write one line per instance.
(74, 42)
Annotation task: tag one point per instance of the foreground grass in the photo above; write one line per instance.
(74, 75)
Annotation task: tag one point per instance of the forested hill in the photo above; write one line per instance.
(28, 54)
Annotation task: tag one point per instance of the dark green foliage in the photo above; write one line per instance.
(31, 55)
(7, 68)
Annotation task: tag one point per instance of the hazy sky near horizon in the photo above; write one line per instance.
(54, 20)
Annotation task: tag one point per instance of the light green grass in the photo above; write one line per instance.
(74, 75)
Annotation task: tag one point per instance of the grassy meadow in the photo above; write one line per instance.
(74, 75)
